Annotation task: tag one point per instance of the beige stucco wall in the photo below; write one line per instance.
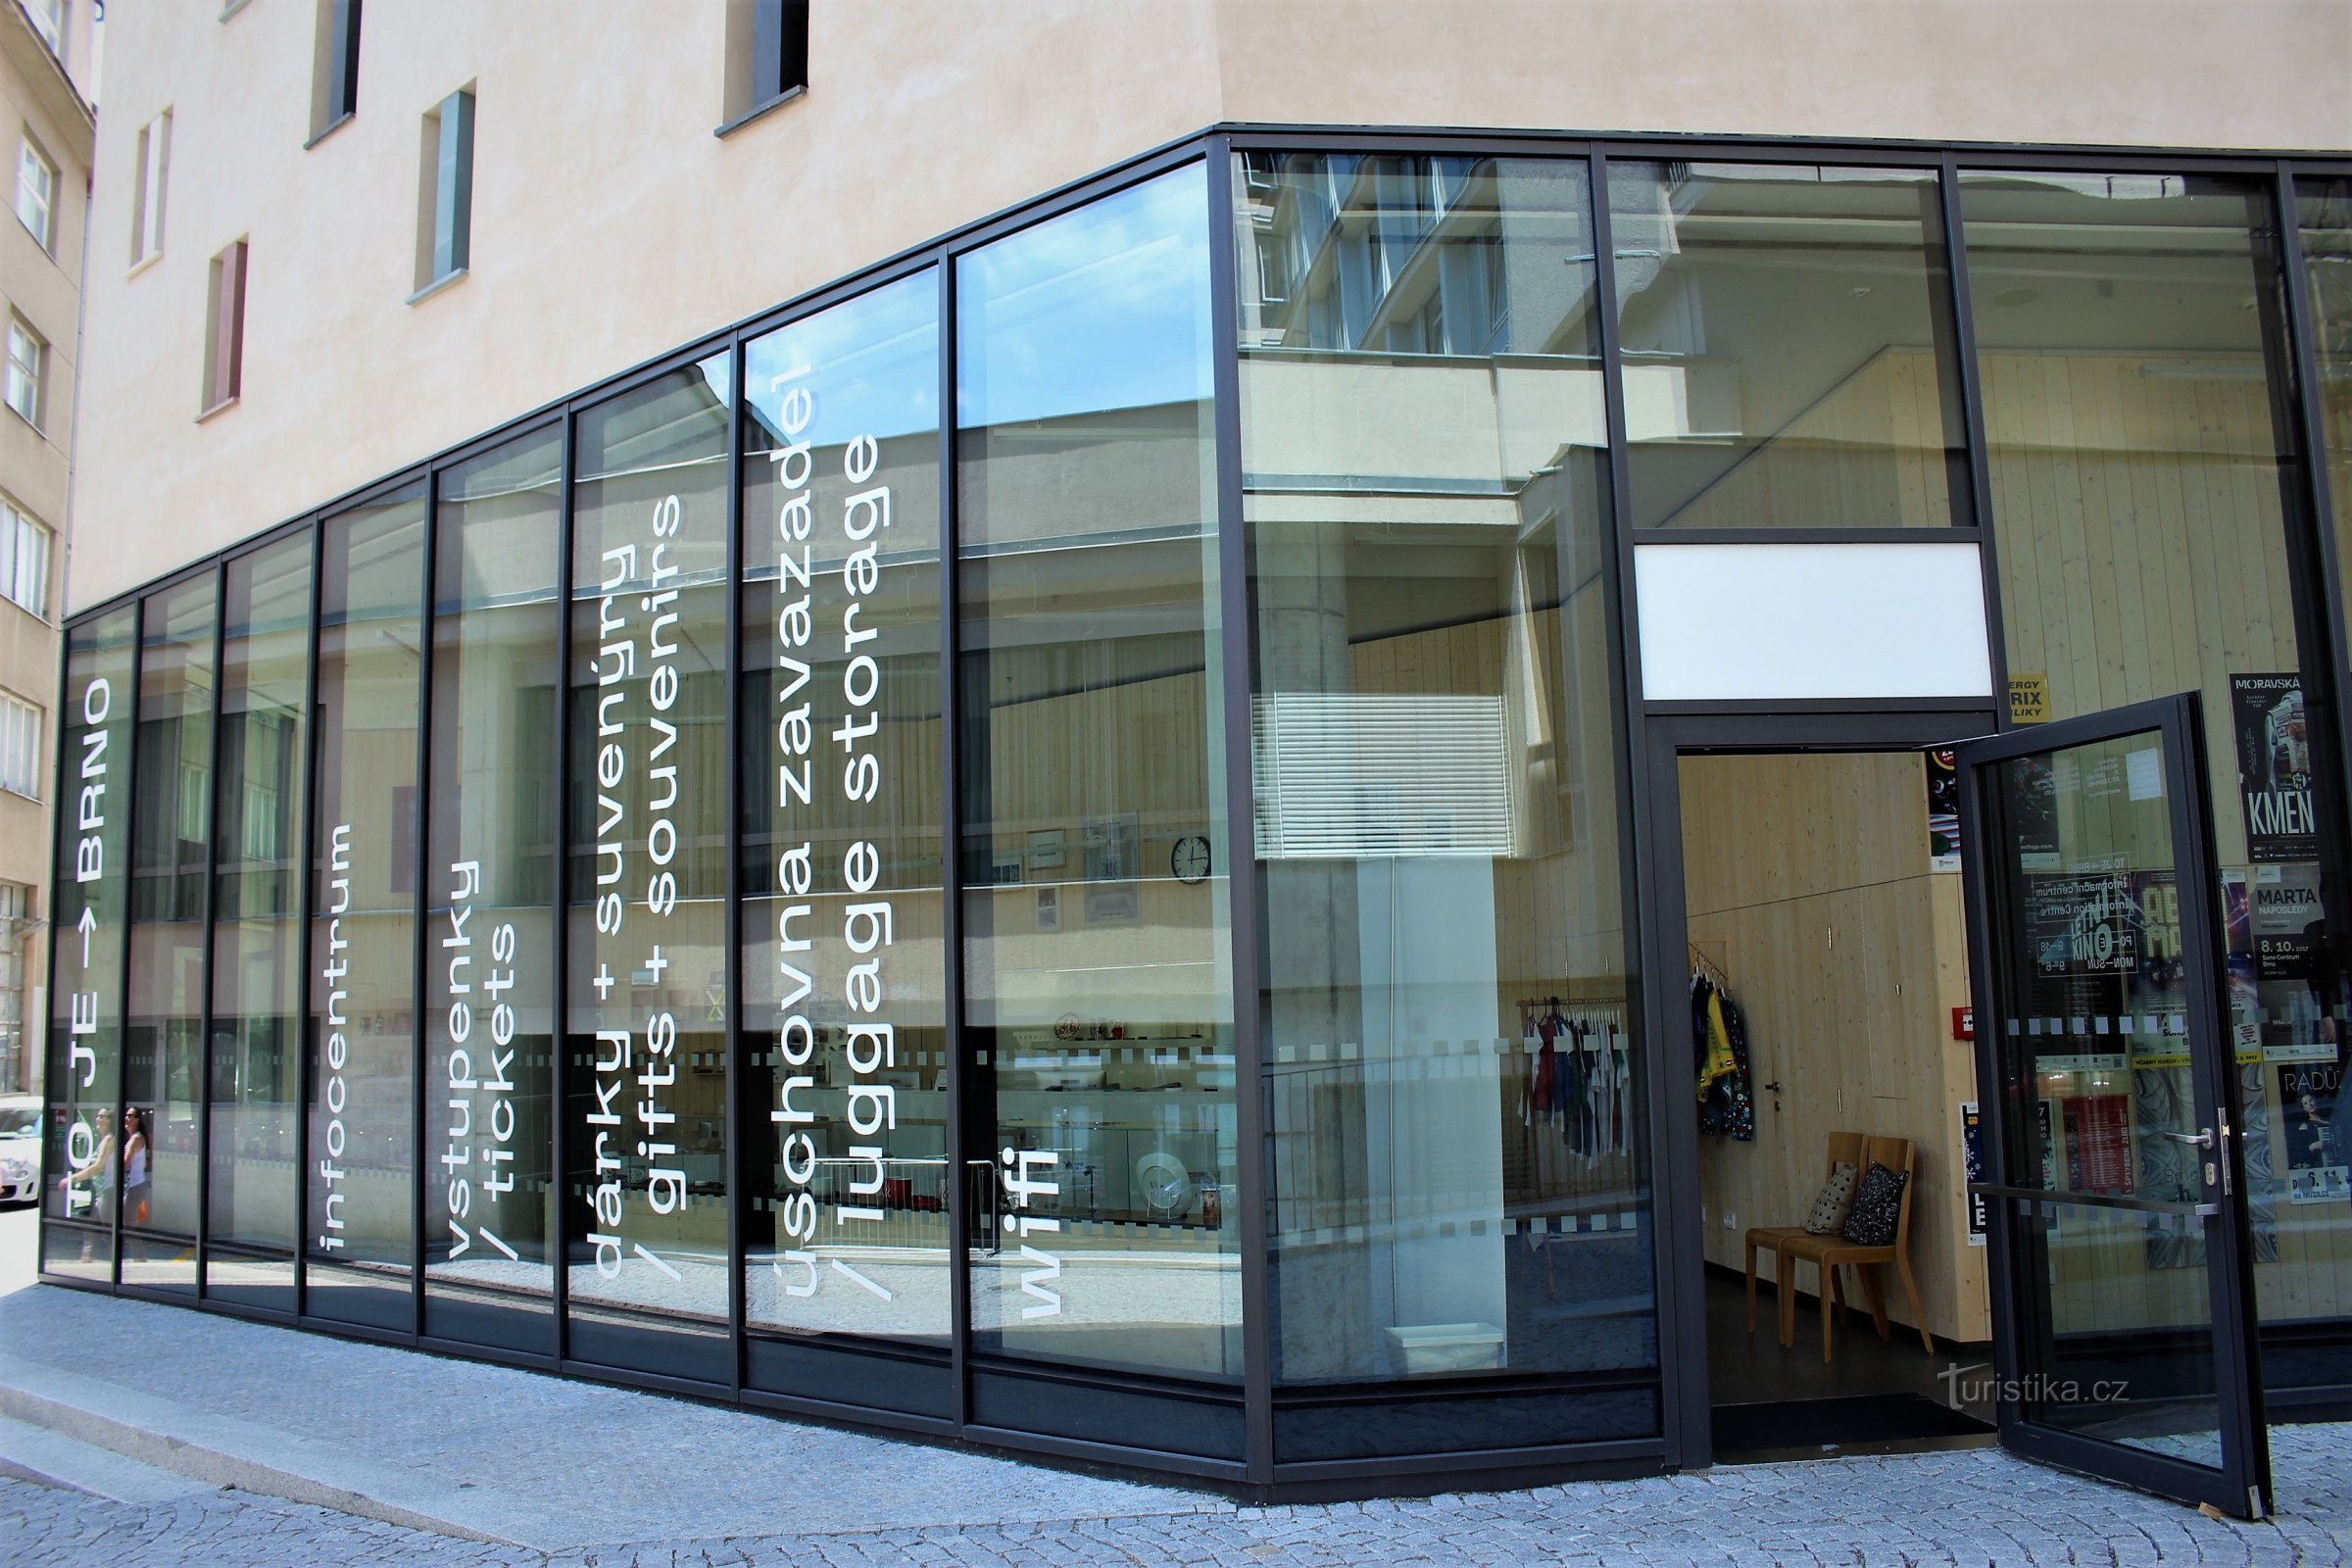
(43, 286)
(609, 224)
(2266, 74)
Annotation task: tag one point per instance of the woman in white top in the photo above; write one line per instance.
(100, 1172)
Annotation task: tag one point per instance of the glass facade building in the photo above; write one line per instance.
(981, 854)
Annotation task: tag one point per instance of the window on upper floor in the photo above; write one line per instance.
(767, 55)
(28, 355)
(15, 908)
(49, 21)
(154, 170)
(24, 561)
(335, 65)
(224, 329)
(20, 747)
(445, 190)
(36, 193)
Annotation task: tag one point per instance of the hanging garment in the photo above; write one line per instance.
(1593, 1061)
(1715, 1060)
(1726, 1103)
(1567, 1089)
(1622, 1070)
(1538, 1088)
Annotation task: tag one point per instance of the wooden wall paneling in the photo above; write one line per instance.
(2135, 572)
(1808, 873)
(2106, 521)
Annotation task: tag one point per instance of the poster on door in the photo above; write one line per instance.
(1972, 1162)
(2274, 767)
(2317, 1166)
(1943, 810)
(2082, 924)
(2098, 1153)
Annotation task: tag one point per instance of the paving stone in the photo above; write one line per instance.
(863, 1502)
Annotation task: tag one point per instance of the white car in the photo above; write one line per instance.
(19, 1149)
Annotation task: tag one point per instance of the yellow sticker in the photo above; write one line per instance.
(2029, 699)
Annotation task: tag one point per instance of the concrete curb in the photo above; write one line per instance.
(42, 1454)
(176, 1439)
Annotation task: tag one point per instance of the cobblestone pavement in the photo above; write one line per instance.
(1976, 1506)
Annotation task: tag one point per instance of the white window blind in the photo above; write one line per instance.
(1364, 775)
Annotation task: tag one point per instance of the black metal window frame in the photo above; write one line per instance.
(1679, 1380)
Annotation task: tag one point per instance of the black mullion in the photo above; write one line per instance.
(212, 938)
(2316, 549)
(1240, 851)
(731, 875)
(2229, 1283)
(131, 872)
(56, 934)
(951, 872)
(1979, 461)
(428, 644)
(305, 906)
(1644, 850)
(559, 1244)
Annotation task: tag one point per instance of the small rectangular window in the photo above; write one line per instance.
(335, 65)
(767, 54)
(780, 35)
(445, 191)
(24, 561)
(36, 193)
(154, 169)
(49, 21)
(25, 353)
(224, 329)
(20, 747)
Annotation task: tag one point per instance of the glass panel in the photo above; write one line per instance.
(489, 900)
(360, 1232)
(2133, 377)
(2115, 1306)
(169, 850)
(1788, 340)
(647, 1227)
(842, 969)
(256, 948)
(90, 904)
(2326, 221)
(1460, 1181)
(2305, 963)
(1098, 981)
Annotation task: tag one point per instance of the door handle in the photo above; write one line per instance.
(981, 1183)
(2202, 1139)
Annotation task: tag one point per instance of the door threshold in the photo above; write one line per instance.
(1950, 1442)
(1813, 1429)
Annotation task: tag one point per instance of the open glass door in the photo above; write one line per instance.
(2121, 1300)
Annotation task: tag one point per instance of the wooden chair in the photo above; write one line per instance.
(1828, 1253)
(1843, 1147)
